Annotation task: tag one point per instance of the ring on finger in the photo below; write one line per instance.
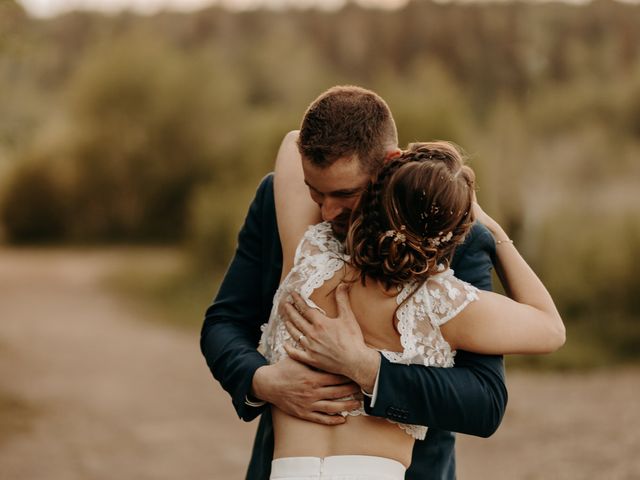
(300, 337)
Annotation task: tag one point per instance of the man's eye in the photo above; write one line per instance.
(315, 196)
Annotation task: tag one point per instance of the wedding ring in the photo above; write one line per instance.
(300, 338)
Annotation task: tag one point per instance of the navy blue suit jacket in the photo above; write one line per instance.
(469, 398)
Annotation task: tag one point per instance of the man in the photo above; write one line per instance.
(344, 125)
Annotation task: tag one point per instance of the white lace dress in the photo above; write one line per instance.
(320, 255)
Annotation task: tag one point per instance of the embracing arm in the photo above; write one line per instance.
(471, 397)
(295, 210)
(231, 328)
(527, 322)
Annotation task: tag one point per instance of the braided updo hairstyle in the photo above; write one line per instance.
(413, 215)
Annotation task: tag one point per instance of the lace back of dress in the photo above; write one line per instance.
(422, 311)
(317, 258)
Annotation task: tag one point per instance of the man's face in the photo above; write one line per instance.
(336, 189)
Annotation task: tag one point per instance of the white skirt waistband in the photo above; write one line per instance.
(356, 467)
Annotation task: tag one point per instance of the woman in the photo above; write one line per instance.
(409, 304)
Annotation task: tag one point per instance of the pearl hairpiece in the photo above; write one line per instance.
(397, 236)
(440, 239)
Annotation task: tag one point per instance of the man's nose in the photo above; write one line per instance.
(330, 210)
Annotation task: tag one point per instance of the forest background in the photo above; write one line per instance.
(155, 130)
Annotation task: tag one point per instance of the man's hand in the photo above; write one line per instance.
(304, 393)
(332, 344)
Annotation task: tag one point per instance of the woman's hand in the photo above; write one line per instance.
(482, 217)
(479, 214)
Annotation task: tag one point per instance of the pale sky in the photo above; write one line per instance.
(44, 8)
(52, 7)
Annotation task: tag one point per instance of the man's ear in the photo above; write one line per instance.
(391, 154)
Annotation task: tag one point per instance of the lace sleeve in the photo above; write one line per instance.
(448, 296)
(421, 312)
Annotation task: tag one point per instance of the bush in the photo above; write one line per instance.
(141, 141)
(216, 215)
(144, 126)
(33, 208)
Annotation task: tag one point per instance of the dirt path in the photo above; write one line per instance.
(116, 398)
(88, 391)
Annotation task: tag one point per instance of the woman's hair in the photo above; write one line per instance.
(413, 215)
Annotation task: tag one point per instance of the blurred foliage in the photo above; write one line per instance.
(132, 128)
(38, 203)
(216, 217)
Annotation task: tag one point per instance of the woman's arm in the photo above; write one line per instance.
(527, 322)
(295, 210)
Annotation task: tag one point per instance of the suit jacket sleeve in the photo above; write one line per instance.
(469, 398)
(231, 328)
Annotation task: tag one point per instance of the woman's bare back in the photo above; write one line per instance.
(359, 435)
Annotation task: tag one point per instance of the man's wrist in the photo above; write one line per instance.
(257, 393)
(365, 369)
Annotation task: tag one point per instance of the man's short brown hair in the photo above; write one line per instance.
(347, 121)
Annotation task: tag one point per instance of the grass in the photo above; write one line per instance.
(590, 345)
(582, 351)
(171, 292)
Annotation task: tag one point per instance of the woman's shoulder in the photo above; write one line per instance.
(318, 239)
(446, 295)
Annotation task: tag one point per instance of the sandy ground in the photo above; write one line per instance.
(88, 391)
